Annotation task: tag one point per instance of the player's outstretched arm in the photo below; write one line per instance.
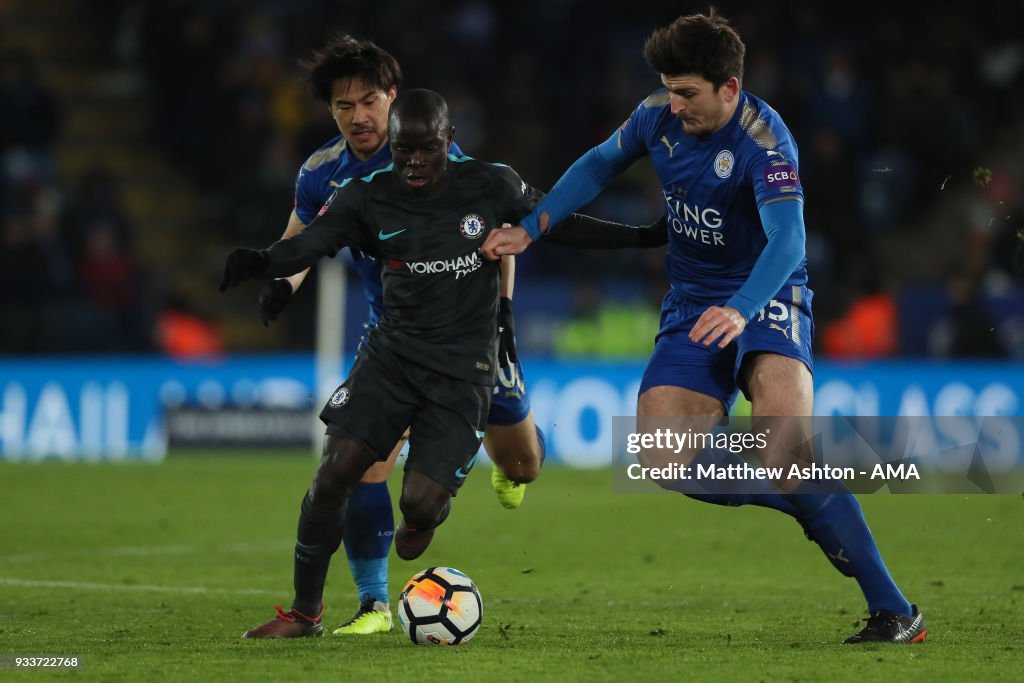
(294, 227)
(587, 232)
(282, 258)
(583, 181)
(505, 242)
(338, 224)
(243, 264)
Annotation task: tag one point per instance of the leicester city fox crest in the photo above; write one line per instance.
(340, 397)
(724, 163)
(472, 226)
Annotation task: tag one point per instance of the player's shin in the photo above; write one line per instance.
(319, 535)
(369, 530)
(320, 522)
(425, 505)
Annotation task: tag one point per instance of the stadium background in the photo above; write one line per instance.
(142, 140)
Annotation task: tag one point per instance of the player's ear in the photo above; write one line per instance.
(451, 136)
(392, 93)
(732, 88)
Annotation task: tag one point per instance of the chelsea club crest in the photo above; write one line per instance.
(471, 226)
(340, 397)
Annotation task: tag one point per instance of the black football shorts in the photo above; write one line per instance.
(385, 393)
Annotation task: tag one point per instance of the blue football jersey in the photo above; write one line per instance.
(326, 170)
(713, 187)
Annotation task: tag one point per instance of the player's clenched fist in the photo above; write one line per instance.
(505, 241)
(243, 264)
(510, 241)
(274, 297)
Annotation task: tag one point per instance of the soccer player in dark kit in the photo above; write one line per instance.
(429, 364)
(358, 80)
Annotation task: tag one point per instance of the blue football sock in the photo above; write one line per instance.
(731, 492)
(543, 444)
(833, 519)
(369, 530)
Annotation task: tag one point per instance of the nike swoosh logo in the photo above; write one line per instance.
(463, 472)
(388, 235)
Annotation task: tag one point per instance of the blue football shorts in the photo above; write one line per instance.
(510, 404)
(785, 326)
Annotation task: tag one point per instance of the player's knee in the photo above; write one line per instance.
(342, 466)
(651, 458)
(328, 483)
(424, 509)
(519, 459)
(528, 471)
(521, 470)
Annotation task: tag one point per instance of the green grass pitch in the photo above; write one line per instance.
(152, 572)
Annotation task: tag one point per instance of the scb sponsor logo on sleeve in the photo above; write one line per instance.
(782, 176)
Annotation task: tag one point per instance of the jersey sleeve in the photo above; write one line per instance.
(518, 198)
(337, 224)
(773, 171)
(308, 197)
(587, 232)
(635, 132)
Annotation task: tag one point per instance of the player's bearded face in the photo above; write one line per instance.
(361, 112)
(420, 152)
(700, 108)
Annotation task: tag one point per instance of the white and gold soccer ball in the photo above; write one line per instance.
(440, 606)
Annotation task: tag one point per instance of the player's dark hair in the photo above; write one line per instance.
(422, 104)
(697, 44)
(346, 58)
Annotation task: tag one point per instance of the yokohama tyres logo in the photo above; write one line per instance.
(460, 266)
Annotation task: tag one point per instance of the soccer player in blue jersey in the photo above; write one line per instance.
(358, 81)
(738, 315)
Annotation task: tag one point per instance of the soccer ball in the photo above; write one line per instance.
(440, 606)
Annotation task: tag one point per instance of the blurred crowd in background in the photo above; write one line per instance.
(907, 125)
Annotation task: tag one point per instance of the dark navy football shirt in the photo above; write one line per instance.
(325, 171)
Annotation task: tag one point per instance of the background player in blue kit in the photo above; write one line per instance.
(738, 315)
(358, 80)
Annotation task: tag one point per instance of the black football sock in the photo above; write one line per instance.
(319, 535)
